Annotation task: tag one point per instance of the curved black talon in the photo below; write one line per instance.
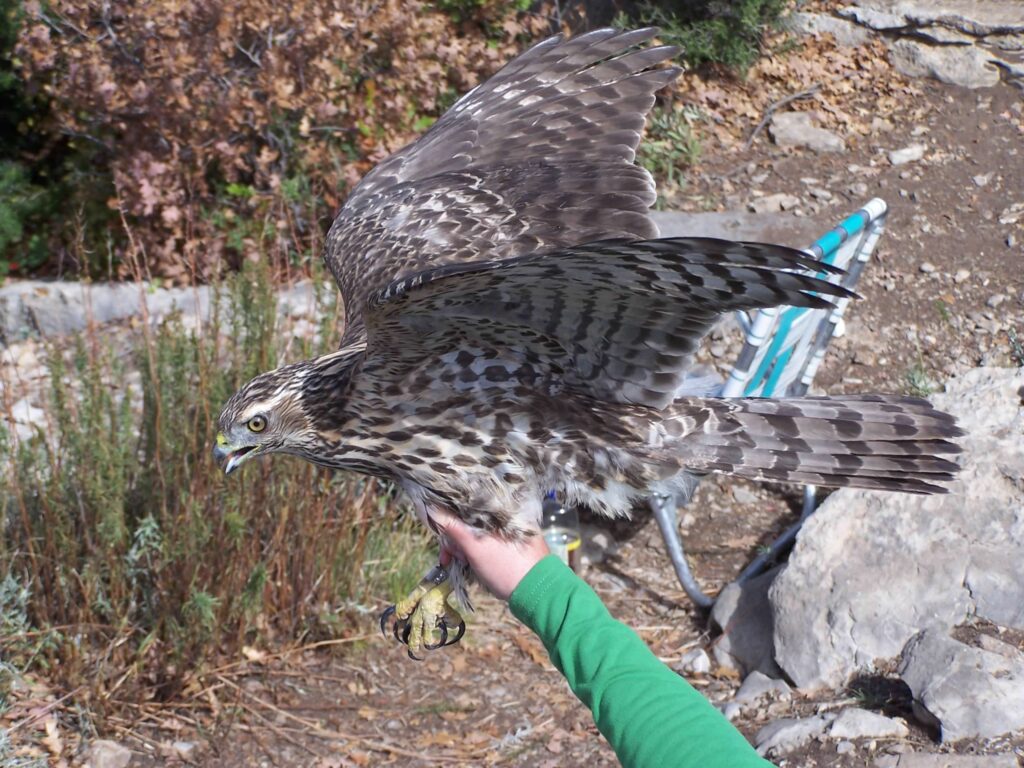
(400, 625)
(388, 613)
(413, 656)
(406, 631)
(444, 637)
(458, 635)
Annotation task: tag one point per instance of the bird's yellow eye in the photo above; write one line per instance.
(257, 423)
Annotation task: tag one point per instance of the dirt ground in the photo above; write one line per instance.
(944, 293)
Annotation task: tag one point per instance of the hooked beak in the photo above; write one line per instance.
(230, 458)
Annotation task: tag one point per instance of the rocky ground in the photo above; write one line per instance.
(944, 294)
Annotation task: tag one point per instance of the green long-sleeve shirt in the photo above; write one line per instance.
(650, 715)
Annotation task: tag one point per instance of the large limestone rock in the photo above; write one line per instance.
(872, 570)
(108, 754)
(845, 32)
(973, 17)
(56, 308)
(966, 66)
(967, 692)
(781, 228)
(799, 129)
(970, 43)
(743, 617)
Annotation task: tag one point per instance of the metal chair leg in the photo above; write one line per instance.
(763, 561)
(664, 509)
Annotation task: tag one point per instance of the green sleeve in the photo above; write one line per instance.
(650, 715)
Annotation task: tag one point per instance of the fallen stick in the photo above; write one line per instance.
(777, 105)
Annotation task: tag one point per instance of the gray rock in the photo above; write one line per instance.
(995, 645)
(744, 496)
(972, 17)
(798, 129)
(927, 760)
(965, 66)
(781, 228)
(730, 710)
(696, 661)
(52, 308)
(910, 154)
(787, 734)
(744, 617)
(26, 419)
(184, 750)
(968, 692)
(862, 724)
(23, 412)
(781, 201)
(758, 686)
(845, 32)
(108, 754)
(874, 18)
(870, 570)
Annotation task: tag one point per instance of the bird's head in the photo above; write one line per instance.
(281, 411)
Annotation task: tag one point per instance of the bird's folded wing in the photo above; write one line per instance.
(615, 320)
(539, 156)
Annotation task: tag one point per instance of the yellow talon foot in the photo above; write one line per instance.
(422, 621)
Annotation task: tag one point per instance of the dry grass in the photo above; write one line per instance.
(129, 564)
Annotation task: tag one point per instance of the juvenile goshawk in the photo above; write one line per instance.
(513, 327)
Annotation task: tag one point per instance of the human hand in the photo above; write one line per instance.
(498, 563)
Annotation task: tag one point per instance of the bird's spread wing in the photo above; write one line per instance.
(615, 320)
(539, 156)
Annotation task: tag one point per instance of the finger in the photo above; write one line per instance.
(444, 557)
(446, 524)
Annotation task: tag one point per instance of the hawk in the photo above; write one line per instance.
(513, 326)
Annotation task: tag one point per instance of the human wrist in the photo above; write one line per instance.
(531, 589)
(528, 553)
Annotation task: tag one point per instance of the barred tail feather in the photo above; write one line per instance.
(884, 442)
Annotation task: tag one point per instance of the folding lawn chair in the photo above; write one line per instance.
(783, 348)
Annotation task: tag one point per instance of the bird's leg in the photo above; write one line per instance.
(424, 619)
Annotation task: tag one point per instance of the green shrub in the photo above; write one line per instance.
(485, 10)
(54, 185)
(670, 145)
(723, 33)
(127, 560)
(20, 202)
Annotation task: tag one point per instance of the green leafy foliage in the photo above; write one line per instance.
(670, 145)
(20, 201)
(722, 33)
(918, 382)
(485, 10)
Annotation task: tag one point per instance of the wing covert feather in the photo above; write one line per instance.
(614, 320)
